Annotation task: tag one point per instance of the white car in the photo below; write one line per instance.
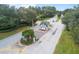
(43, 27)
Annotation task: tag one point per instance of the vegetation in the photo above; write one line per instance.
(6, 34)
(28, 36)
(69, 41)
(59, 14)
(66, 44)
(28, 32)
(12, 18)
(71, 19)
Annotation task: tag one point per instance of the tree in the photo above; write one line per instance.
(28, 36)
(49, 11)
(11, 17)
(67, 10)
(27, 15)
(71, 19)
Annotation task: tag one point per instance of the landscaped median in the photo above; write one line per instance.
(66, 44)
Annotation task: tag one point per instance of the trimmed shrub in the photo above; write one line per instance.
(28, 36)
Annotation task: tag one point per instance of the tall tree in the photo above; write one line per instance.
(71, 19)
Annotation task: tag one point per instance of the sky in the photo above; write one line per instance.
(60, 7)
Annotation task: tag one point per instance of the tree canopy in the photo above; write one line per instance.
(71, 19)
(11, 17)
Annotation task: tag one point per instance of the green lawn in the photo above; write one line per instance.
(6, 34)
(66, 44)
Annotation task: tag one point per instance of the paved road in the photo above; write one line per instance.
(10, 40)
(14, 38)
(46, 44)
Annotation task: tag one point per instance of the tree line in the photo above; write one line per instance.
(71, 19)
(11, 17)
